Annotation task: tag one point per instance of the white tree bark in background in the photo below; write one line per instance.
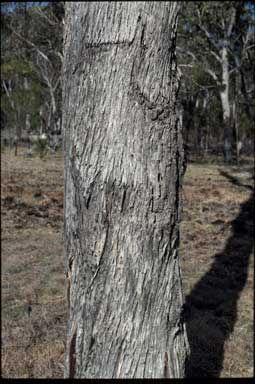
(28, 117)
(224, 96)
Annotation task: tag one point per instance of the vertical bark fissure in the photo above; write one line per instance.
(72, 356)
(166, 367)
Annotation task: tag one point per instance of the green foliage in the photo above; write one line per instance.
(26, 100)
(15, 67)
(31, 42)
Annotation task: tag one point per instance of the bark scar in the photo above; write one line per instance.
(72, 354)
(68, 275)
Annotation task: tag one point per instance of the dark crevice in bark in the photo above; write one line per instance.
(103, 46)
(123, 199)
(72, 357)
(155, 110)
(166, 367)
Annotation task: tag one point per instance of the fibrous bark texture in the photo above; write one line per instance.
(123, 165)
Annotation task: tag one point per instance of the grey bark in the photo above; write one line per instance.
(28, 117)
(123, 165)
(224, 96)
(8, 90)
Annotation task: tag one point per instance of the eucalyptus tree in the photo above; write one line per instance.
(33, 36)
(216, 38)
(123, 174)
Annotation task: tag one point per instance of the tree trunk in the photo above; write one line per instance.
(18, 130)
(235, 127)
(224, 96)
(234, 116)
(203, 122)
(42, 120)
(28, 117)
(189, 105)
(123, 162)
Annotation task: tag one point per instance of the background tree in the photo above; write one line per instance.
(31, 34)
(123, 164)
(215, 43)
(21, 98)
(32, 37)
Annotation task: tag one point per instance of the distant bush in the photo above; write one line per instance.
(41, 146)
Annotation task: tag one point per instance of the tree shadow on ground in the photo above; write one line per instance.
(212, 303)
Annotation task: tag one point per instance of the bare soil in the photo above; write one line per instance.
(216, 261)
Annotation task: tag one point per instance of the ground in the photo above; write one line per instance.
(216, 263)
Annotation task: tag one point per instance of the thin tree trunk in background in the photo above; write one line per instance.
(18, 130)
(235, 119)
(18, 127)
(123, 165)
(237, 84)
(204, 121)
(8, 90)
(42, 120)
(236, 129)
(27, 119)
(224, 96)
(198, 130)
(188, 116)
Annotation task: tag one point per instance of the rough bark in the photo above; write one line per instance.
(123, 164)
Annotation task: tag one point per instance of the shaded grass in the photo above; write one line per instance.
(216, 254)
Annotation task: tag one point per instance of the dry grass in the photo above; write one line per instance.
(216, 249)
(219, 315)
(33, 294)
